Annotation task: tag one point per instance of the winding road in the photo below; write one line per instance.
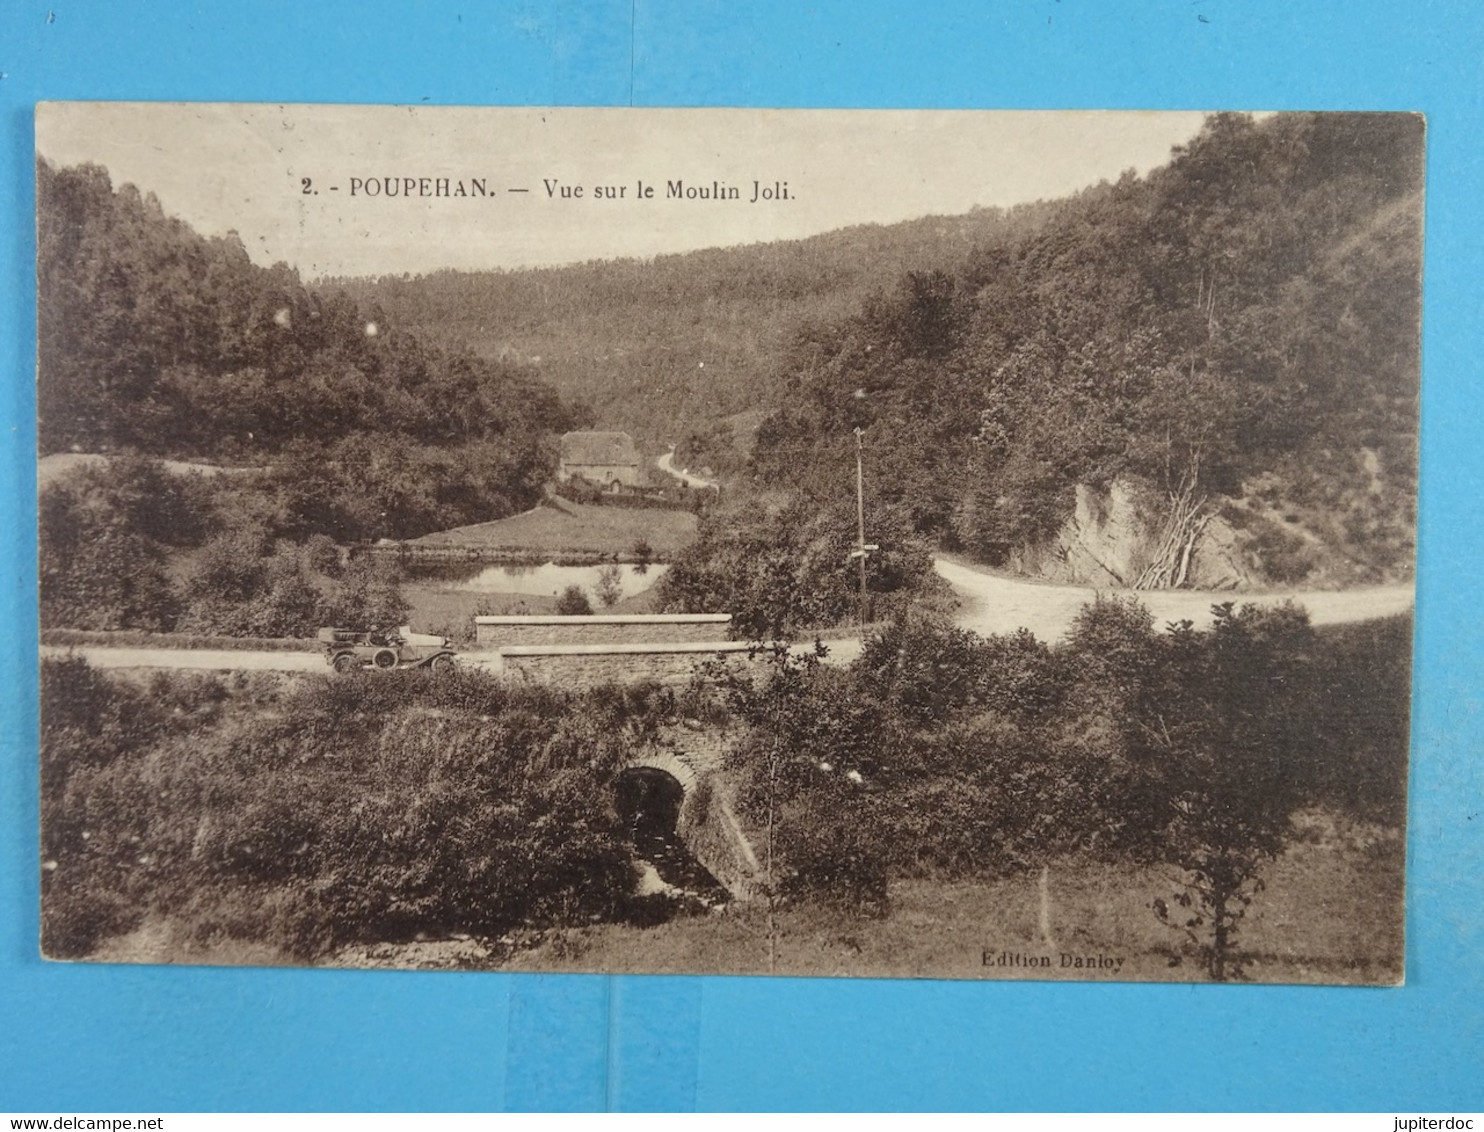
(996, 604)
(666, 464)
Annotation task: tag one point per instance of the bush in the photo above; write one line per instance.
(573, 602)
(370, 593)
(670, 497)
(94, 573)
(1284, 557)
(321, 553)
(238, 590)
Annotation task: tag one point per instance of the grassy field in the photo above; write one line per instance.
(1331, 913)
(450, 612)
(560, 525)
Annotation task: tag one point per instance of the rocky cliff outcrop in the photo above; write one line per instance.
(1115, 533)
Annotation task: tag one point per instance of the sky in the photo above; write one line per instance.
(309, 185)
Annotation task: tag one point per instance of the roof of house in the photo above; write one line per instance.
(599, 448)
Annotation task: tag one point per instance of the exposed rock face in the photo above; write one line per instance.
(1113, 535)
(1219, 562)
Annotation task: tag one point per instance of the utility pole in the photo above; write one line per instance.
(862, 548)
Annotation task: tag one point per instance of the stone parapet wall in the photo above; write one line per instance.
(576, 668)
(598, 630)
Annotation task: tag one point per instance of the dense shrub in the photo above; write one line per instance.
(96, 849)
(783, 570)
(131, 546)
(355, 809)
(667, 497)
(573, 602)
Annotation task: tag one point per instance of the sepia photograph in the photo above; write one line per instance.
(910, 544)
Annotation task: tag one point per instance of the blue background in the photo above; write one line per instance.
(111, 1038)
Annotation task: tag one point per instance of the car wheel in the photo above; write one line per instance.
(384, 658)
(346, 662)
(441, 664)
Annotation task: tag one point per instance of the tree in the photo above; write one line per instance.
(798, 767)
(1226, 732)
(95, 572)
(785, 570)
(372, 594)
(610, 585)
(154, 339)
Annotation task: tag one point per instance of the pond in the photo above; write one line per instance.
(549, 579)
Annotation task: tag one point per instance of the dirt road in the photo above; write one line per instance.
(217, 660)
(666, 464)
(995, 604)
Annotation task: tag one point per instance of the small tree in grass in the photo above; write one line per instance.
(798, 783)
(643, 554)
(610, 585)
(1204, 737)
(1228, 733)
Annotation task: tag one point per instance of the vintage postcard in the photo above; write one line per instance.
(920, 544)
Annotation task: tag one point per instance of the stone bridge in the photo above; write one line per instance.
(693, 758)
(577, 652)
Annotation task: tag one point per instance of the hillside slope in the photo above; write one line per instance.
(674, 344)
(1233, 339)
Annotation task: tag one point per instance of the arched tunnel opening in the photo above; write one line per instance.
(648, 801)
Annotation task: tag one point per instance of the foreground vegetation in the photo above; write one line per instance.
(1316, 923)
(1210, 782)
(303, 816)
(940, 754)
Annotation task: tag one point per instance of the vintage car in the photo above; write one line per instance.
(347, 650)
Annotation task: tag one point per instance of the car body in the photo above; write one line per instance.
(347, 650)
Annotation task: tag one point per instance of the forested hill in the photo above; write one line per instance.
(157, 340)
(665, 346)
(1240, 327)
(1234, 334)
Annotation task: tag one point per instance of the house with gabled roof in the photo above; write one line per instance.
(608, 459)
